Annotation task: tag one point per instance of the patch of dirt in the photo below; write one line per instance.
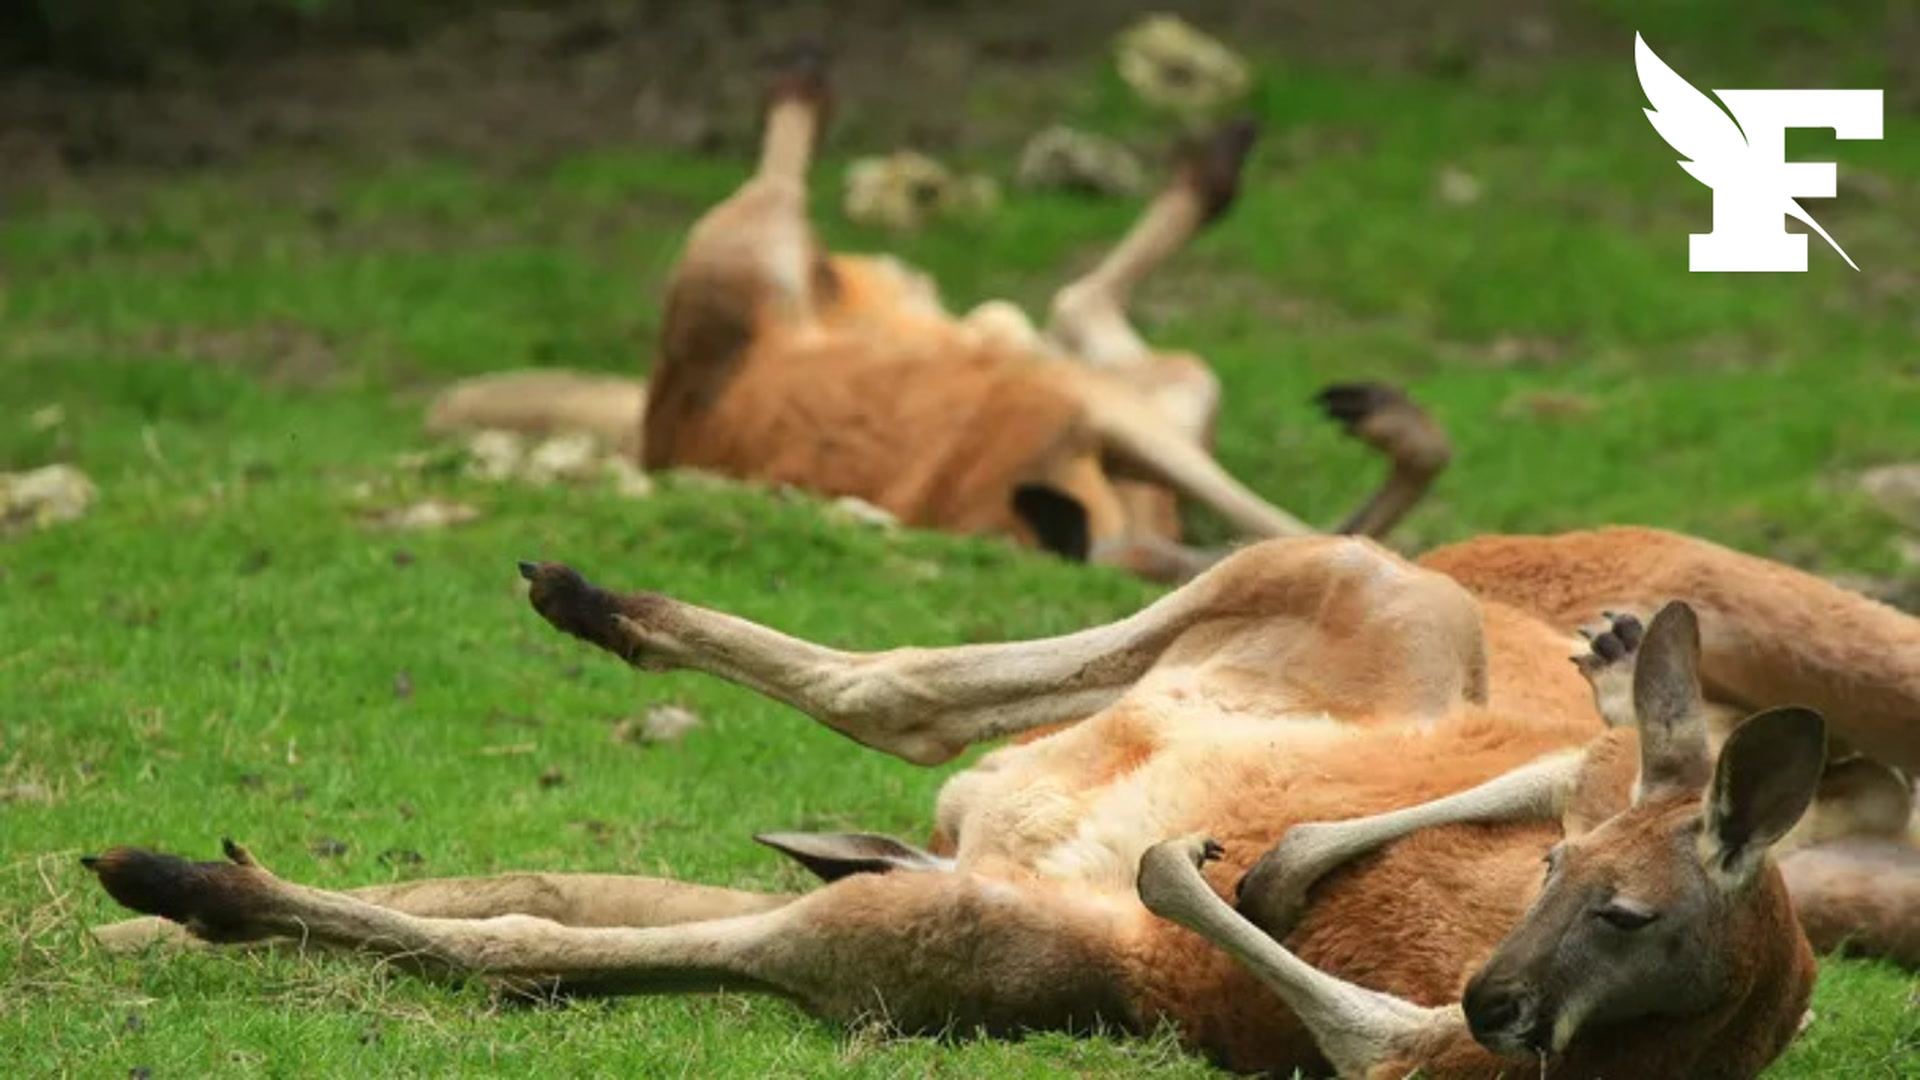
(515, 85)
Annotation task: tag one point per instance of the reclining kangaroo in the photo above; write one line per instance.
(1303, 703)
(845, 375)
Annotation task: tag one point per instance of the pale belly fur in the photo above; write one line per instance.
(1050, 808)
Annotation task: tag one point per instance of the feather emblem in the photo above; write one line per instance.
(1702, 129)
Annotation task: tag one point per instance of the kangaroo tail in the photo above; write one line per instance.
(543, 402)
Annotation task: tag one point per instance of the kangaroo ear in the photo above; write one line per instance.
(1768, 773)
(1667, 705)
(833, 856)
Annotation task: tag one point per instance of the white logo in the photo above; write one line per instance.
(1743, 158)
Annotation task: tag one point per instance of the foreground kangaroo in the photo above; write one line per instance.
(1301, 704)
(844, 375)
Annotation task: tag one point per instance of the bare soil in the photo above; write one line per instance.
(511, 86)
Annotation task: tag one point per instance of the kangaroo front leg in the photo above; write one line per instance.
(1608, 666)
(1274, 893)
(1359, 1030)
(922, 705)
(1141, 444)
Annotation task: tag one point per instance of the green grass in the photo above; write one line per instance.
(218, 648)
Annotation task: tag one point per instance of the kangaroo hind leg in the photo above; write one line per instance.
(921, 951)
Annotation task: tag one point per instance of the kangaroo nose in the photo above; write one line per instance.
(1494, 1010)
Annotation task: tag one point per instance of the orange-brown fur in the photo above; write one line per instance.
(1300, 681)
(781, 363)
(1825, 647)
(1415, 918)
(1296, 682)
(936, 429)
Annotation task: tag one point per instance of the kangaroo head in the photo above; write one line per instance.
(1652, 912)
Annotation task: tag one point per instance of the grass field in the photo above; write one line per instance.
(222, 648)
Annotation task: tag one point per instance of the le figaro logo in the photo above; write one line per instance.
(1743, 158)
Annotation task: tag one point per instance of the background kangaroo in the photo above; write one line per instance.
(845, 375)
(1297, 683)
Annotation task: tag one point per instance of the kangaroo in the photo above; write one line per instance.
(1321, 806)
(845, 375)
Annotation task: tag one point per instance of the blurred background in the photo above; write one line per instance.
(93, 83)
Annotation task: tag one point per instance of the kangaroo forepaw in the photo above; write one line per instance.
(1608, 665)
(216, 901)
(1169, 879)
(1610, 647)
(1273, 895)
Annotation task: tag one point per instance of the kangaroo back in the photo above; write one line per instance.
(1859, 896)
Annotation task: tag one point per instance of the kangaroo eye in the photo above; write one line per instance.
(1624, 917)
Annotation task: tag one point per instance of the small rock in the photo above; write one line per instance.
(426, 514)
(907, 189)
(1060, 158)
(856, 509)
(629, 482)
(660, 723)
(562, 458)
(328, 847)
(1896, 488)
(901, 191)
(46, 496)
(1456, 186)
(402, 685)
(1172, 65)
(495, 455)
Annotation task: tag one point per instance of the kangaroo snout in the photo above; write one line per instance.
(1506, 1017)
